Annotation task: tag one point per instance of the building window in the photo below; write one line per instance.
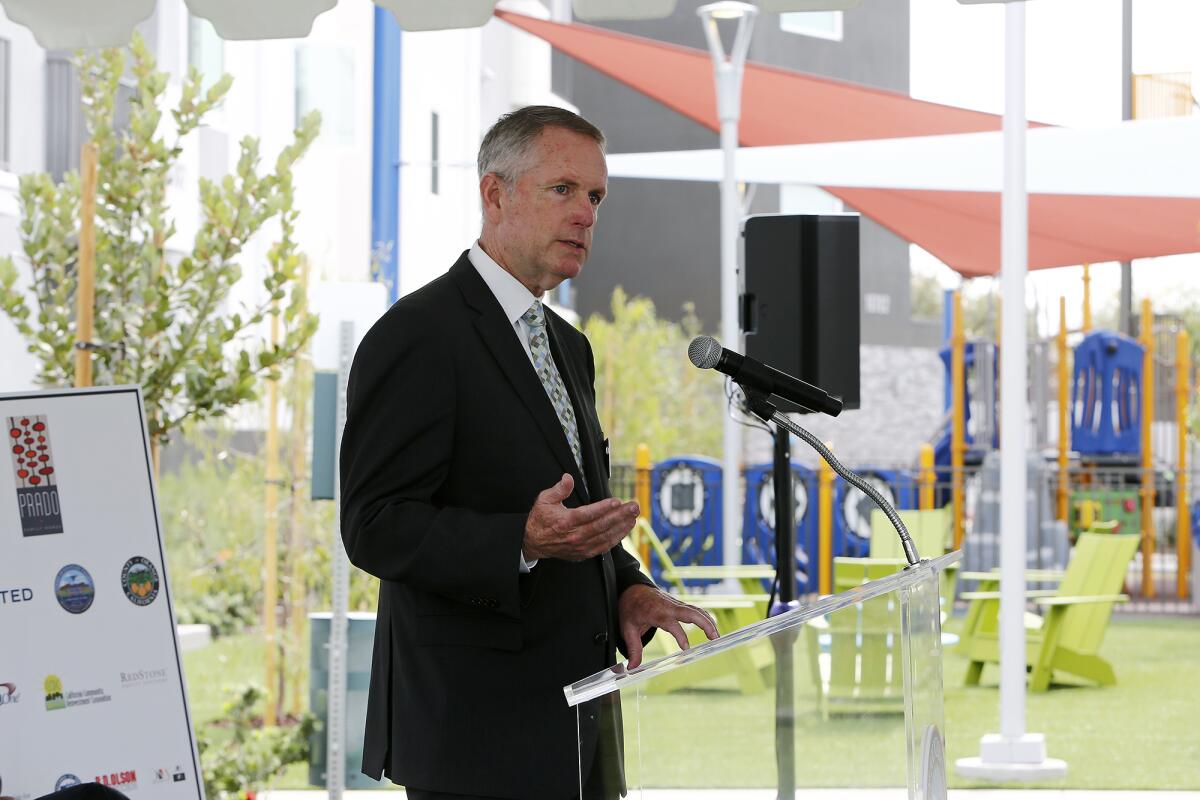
(821, 24)
(433, 153)
(66, 128)
(206, 51)
(5, 91)
(325, 83)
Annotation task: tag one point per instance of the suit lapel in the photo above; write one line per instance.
(499, 338)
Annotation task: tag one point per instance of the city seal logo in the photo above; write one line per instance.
(33, 467)
(9, 694)
(139, 579)
(54, 693)
(66, 781)
(74, 588)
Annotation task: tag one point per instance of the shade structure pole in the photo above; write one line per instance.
(728, 77)
(1014, 753)
(1014, 257)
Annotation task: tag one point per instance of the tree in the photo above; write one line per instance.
(163, 318)
(646, 389)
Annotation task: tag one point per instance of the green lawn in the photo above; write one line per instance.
(1143, 733)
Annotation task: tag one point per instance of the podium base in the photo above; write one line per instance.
(1002, 758)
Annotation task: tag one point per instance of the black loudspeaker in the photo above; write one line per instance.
(800, 311)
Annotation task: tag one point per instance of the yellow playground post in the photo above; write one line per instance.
(958, 447)
(1183, 519)
(1146, 335)
(1063, 410)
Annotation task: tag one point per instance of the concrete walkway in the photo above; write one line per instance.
(817, 794)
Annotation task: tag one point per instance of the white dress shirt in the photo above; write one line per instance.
(515, 300)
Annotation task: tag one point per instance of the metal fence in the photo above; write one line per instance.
(1161, 576)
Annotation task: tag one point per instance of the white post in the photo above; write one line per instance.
(335, 705)
(728, 77)
(1014, 260)
(1013, 754)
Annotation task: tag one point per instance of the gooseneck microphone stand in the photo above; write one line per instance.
(766, 411)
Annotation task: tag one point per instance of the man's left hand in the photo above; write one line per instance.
(642, 607)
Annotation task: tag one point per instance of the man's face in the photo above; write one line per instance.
(542, 229)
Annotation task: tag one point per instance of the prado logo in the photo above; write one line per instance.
(74, 588)
(56, 698)
(143, 677)
(66, 782)
(139, 578)
(119, 780)
(33, 467)
(8, 694)
(54, 693)
(164, 775)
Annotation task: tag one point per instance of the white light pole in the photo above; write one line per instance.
(1014, 753)
(728, 71)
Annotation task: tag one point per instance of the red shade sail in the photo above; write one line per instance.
(962, 229)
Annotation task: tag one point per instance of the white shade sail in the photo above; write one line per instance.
(1147, 158)
(595, 10)
(70, 24)
(259, 19)
(807, 5)
(423, 15)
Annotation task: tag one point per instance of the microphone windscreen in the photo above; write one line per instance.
(705, 352)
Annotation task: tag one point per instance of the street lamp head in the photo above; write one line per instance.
(726, 9)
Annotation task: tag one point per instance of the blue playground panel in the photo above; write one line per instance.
(758, 522)
(852, 508)
(1106, 413)
(685, 512)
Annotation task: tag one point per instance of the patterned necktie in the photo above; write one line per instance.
(543, 362)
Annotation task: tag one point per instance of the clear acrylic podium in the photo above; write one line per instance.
(845, 692)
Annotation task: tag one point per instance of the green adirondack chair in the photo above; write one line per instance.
(1068, 635)
(855, 655)
(930, 531)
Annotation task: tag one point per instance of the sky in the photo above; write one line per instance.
(1073, 78)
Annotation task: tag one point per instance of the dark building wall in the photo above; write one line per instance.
(661, 238)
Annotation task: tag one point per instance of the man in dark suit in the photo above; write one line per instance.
(475, 486)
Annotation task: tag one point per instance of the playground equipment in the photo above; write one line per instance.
(852, 523)
(1119, 462)
(758, 525)
(686, 512)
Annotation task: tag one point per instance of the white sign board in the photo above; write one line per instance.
(91, 681)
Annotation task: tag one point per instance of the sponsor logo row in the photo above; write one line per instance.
(75, 589)
(58, 696)
(123, 780)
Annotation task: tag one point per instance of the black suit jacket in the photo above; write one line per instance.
(449, 438)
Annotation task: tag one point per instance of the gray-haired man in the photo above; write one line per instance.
(475, 486)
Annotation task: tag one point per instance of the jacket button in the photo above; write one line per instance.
(600, 638)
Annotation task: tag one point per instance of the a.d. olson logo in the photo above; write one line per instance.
(125, 780)
(74, 588)
(139, 579)
(33, 467)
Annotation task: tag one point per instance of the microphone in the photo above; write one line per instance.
(706, 352)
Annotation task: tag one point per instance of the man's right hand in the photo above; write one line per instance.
(573, 534)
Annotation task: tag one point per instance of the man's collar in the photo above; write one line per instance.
(512, 295)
